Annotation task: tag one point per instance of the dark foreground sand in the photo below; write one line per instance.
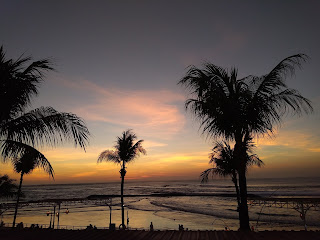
(47, 234)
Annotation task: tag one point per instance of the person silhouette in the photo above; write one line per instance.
(151, 226)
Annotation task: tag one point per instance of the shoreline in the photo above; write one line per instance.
(205, 208)
(165, 222)
(115, 181)
(315, 198)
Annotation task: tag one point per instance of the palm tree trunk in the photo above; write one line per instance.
(17, 204)
(243, 210)
(235, 181)
(122, 203)
(240, 153)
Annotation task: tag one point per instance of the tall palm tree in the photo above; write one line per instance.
(239, 109)
(30, 159)
(223, 158)
(7, 186)
(19, 82)
(125, 151)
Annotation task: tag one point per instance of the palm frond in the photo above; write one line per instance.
(25, 158)
(109, 156)
(254, 160)
(290, 99)
(205, 175)
(217, 171)
(19, 83)
(46, 126)
(11, 149)
(274, 80)
(271, 98)
(135, 151)
(287, 66)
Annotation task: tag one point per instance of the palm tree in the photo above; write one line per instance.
(30, 159)
(239, 109)
(7, 186)
(19, 82)
(223, 158)
(125, 151)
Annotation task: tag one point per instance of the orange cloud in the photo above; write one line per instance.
(314, 149)
(152, 144)
(150, 112)
(295, 139)
(83, 174)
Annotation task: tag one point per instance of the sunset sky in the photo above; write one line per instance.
(118, 63)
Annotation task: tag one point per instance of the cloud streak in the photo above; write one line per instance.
(152, 112)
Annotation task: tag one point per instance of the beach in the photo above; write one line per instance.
(168, 204)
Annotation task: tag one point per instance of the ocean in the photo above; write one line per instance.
(211, 206)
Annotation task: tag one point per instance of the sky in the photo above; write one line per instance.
(118, 64)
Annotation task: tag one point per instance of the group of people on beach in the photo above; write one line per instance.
(181, 228)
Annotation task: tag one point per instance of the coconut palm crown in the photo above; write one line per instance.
(224, 161)
(227, 106)
(19, 83)
(125, 149)
(7, 187)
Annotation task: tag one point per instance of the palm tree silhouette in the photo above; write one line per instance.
(239, 109)
(7, 186)
(222, 156)
(19, 81)
(31, 159)
(125, 151)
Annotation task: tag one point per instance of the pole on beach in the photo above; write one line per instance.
(110, 214)
(50, 220)
(303, 216)
(54, 215)
(303, 212)
(58, 215)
